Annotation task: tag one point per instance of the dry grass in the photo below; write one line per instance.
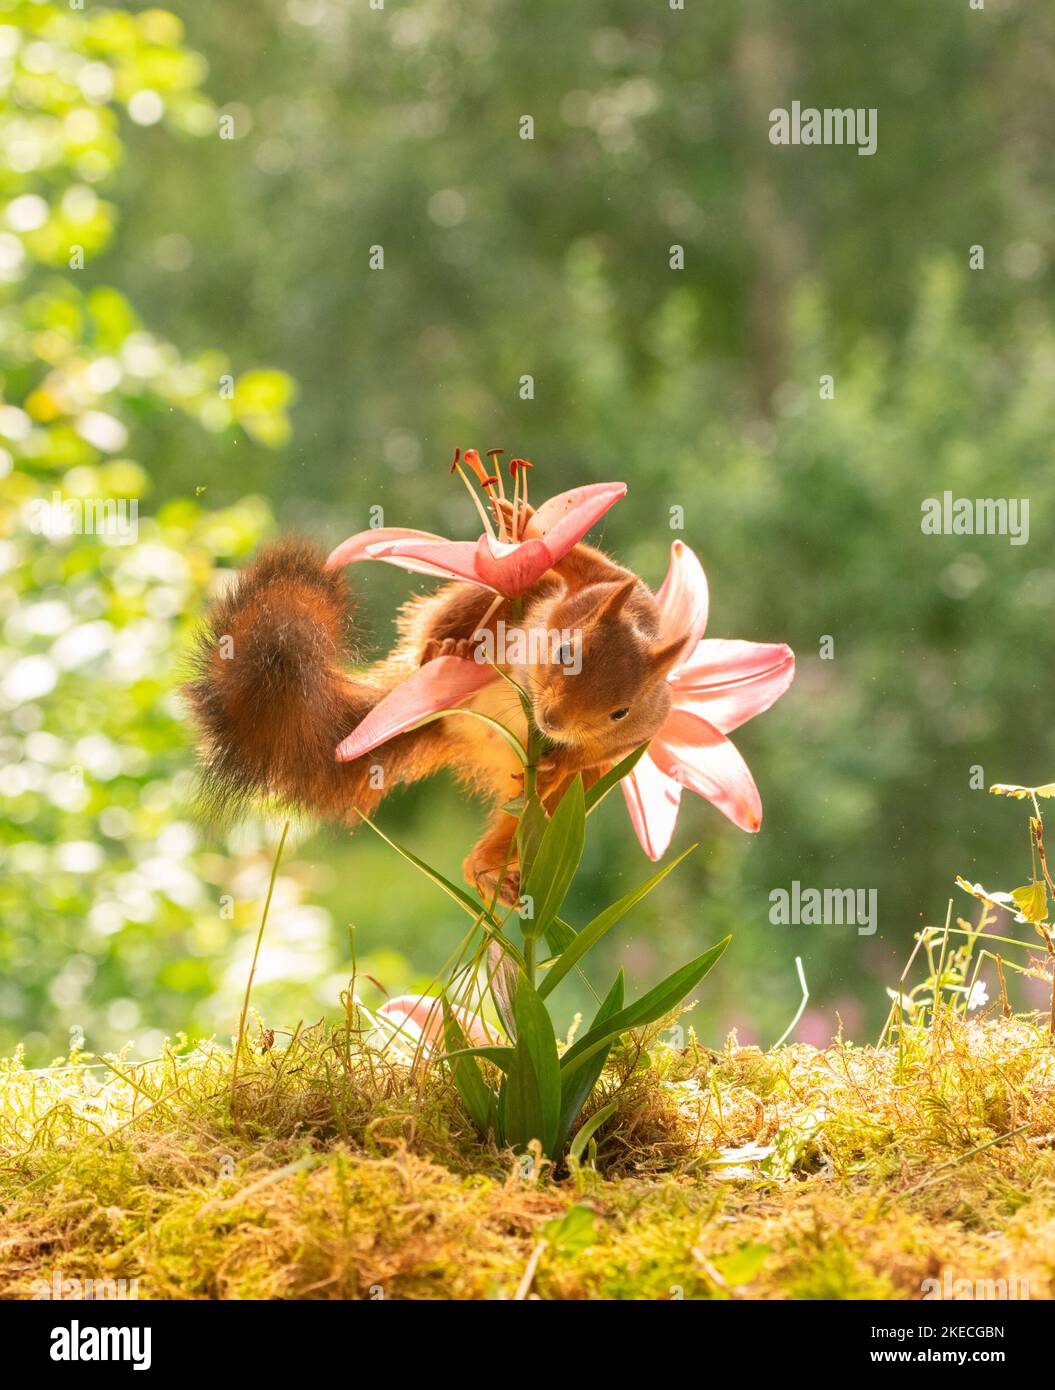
(843, 1173)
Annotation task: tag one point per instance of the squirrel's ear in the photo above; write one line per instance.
(612, 604)
(661, 659)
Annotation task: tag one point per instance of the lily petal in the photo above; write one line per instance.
(652, 798)
(364, 544)
(511, 568)
(683, 598)
(729, 682)
(421, 1015)
(432, 555)
(436, 686)
(700, 757)
(563, 520)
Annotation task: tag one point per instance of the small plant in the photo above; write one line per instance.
(952, 981)
(528, 1089)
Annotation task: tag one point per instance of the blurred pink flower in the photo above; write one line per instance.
(420, 1016)
(716, 685)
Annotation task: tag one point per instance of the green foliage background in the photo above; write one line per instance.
(226, 356)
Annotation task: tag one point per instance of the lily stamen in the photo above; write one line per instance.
(472, 462)
(488, 481)
(518, 468)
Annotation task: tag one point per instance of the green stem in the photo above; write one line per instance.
(534, 748)
(535, 745)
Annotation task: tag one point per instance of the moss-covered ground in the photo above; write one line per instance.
(849, 1172)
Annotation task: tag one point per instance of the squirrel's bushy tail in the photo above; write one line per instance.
(272, 697)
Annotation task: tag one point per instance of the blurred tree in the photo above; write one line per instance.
(352, 128)
(111, 916)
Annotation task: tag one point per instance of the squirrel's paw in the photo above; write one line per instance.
(464, 647)
(487, 882)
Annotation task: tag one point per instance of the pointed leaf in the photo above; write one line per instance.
(477, 1096)
(556, 860)
(657, 1002)
(612, 778)
(502, 1057)
(530, 829)
(593, 931)
(466, 901)
(590, 1128)
(559, 936)
(576, 1088)
(533, 1088)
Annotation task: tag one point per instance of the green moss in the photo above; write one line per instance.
(802, 1173)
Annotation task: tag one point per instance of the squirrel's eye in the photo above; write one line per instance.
(564, 656)
(620, 713)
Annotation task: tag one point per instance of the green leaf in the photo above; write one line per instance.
(559, 936)
(502, 1057)
(477, 1096)
(533, 1088)
(530, 829)
(556, 860)
(576, 1088)
(647, 1009)
(593, 931)
(589, 1129)
(612, 778)
(741, 1265)
(1032, 901)
(571, 1233)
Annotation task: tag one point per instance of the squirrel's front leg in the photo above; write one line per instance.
(493, 858)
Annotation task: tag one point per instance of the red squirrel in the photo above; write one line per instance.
(276, 689)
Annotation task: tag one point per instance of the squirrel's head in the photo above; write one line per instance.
(597, 669)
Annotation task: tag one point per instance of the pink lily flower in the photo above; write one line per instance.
(436, 686)
(716, 685)
(419, 1017)
(497, 562)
